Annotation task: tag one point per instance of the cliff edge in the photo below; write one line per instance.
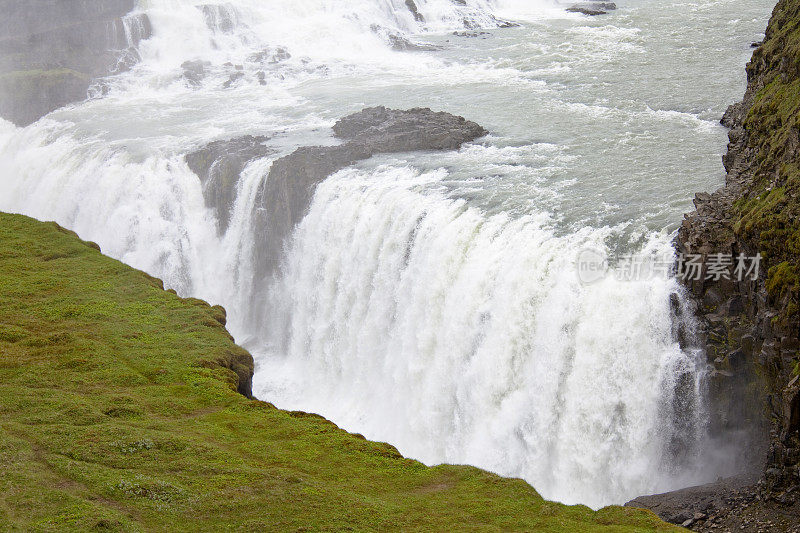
(752, 325)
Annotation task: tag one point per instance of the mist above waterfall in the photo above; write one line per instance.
(427, 299)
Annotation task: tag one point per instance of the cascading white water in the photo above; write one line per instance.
(318, 31)
(466, 339)
(429, 300)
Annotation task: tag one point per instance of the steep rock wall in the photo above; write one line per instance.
(51, 50)
(752, 325)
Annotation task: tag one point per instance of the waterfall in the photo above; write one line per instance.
(466, 339)
(430, 301)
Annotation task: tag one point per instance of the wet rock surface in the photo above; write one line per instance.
(412, 6)
(195, 71)
(219, 166)
(286, 194)
(51, 50)
(592, 8)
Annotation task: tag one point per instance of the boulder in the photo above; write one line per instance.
(232, 79)
(195, 71)
(592, 8)
(390, 130)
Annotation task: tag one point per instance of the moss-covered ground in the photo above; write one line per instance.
(117, 413)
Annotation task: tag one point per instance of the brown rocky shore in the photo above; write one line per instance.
(750, 327)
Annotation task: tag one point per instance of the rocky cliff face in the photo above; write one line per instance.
(219, 166)
(752, 325)
(286, 194)
(51, 50)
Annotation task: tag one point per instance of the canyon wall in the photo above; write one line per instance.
(751, 325)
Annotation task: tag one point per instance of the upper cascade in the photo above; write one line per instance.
(314, 30)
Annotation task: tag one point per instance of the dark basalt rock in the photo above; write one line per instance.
(219, 166)
(750, 327)
(593, 8)
(286, 194)
(414, 11)
(232, 79)
(390, 130)
(51, 50)
(270, 56)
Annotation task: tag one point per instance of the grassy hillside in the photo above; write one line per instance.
(119, 411)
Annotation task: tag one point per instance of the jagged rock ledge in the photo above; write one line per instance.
(287, 192)
(219, 166)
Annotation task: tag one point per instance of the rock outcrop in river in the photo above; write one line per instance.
(752, 326)
(285, 195)
(51, 50)
(592, 8)
(219, 166)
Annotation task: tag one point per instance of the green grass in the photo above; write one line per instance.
(119, 412)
